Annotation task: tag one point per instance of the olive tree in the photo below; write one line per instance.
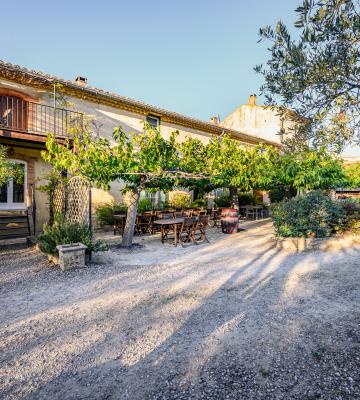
(317, 73)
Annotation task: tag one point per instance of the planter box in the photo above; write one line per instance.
(71, 256)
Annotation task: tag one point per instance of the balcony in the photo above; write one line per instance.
(33, 121)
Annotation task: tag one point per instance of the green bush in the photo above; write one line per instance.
(180, 200)
(198, 203)
(67, 233)
(222, 201)
(281, 193)
(144, 205)
(311, 215)
(247, 199)
(105, 212)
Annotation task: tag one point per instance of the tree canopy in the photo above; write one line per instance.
(148, 161)
(141, 161)
(352, 173)
(308, 169)
(317, 74)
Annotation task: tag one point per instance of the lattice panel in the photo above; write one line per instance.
(59, 200)
(77, 207)
(71, 200)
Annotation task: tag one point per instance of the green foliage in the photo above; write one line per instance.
(62, 232)
(105, 212)
(308, 170)
(280, 193)
(180, 200)
(311, 215)
(222, 201)
(198, 203)
(247, 199)
(352, 174)
(10, 170)
(142, 161)
(145, 161)
(317, 75)
(145, 205)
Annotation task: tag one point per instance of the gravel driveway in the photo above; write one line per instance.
(233, 319)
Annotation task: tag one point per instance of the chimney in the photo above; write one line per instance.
(252, 100)
(214, 120)
(81, 80)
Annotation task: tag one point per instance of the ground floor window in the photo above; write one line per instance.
(12, 193)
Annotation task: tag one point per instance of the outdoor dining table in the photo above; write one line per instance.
(169, 222)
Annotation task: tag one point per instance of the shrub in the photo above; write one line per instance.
(105, 212)
(281, 193)
(246, 199)
(352, 207)
(198, 203)
(179, 199)
(222, 201)
(145, 205)
(311, 215)
(66, 233)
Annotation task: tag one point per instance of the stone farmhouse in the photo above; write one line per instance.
(33, 103)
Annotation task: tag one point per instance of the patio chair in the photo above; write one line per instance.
(187, 231)
(188, 213)
(137, 229)
(147, 223)
(119, 222)
(166, 216)
(179, 214)
(250, 212)
(200, 229)
(217, 218)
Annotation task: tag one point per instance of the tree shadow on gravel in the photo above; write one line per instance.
(244, 333)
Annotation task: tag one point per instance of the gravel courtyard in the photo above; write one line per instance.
(232, 319)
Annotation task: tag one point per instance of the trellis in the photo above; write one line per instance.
(71, 199)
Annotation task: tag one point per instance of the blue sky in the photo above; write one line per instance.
(195, 57)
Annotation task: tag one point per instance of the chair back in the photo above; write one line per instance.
(119, 212)
(147, 216)
(203, 220)
(167, 216)
(189, 222)
(179, 214)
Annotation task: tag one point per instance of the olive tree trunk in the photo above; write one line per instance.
(234, 200)
(131, 218)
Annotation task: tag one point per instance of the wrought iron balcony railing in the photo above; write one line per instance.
(24, 116)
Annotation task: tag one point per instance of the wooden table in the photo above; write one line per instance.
(166, 223)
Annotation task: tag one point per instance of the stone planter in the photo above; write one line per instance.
(71, 256)
(300, 244)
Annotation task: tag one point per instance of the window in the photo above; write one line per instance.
(153, 121)
(12, 194)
